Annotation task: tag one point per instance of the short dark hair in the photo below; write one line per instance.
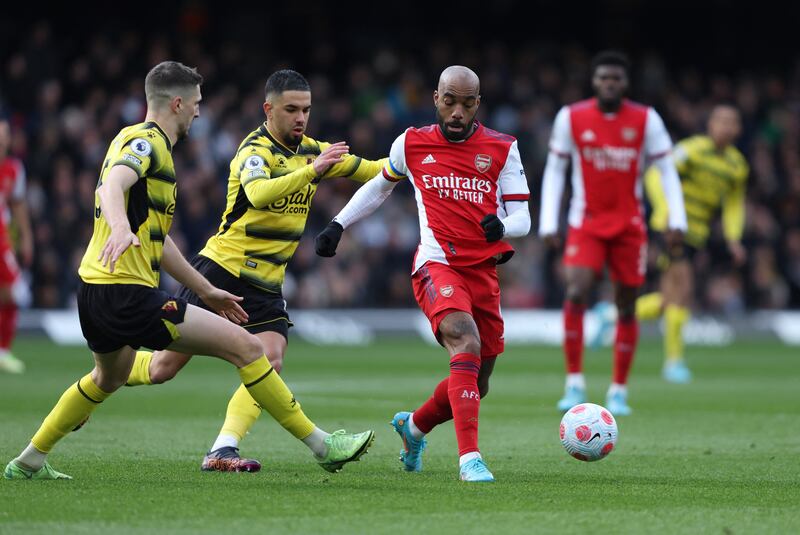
(611, 57)
(285, 80)
(167, 78)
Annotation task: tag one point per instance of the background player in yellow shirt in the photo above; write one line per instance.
(273, 178)
(121, 307)
(713, 176)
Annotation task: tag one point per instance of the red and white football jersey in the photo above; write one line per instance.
(12, 187)
(456, 184)
(609, 152)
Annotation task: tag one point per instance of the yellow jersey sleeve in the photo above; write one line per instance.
(658, 199)
(354, 167)
(136, 152)
(261, 185)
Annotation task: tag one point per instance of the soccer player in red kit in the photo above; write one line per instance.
(12, 201)
(471, 192)
(609, 141)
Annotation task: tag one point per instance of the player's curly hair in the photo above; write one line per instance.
(168, 78)
(285, 80)
(611, 57)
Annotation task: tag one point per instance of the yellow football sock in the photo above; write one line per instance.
(675, 317)
(272, 394)
(243, 411)
(140, 373)
(648, 306)
(74, 407)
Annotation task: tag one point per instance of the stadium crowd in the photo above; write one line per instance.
(66, 103)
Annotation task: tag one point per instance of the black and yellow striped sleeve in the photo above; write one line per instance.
(356, 168)
(138, 152)
(262, 185)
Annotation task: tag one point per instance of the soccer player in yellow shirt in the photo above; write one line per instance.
(273, 178)
(121, 307)
(713, 177)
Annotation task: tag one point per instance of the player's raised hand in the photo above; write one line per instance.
(552, 240)
(326, 241)
(117, 243)
(329, 157)
(493, 228)
(226, 305)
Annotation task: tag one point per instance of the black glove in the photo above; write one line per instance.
(493, 228)
(326, 241)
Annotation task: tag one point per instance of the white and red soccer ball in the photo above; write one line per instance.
(588, 432)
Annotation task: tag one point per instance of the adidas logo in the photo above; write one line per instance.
(429, 159)
(588, 136)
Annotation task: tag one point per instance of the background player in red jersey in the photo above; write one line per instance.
(471, 191)
(12, 201)
(609, 140)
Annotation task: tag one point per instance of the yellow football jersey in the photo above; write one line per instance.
(150, 204)
(710, 180)
(270, 188)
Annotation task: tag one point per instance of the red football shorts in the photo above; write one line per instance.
(441, 289)
(625, 253)
(9, 270)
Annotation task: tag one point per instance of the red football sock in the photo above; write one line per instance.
(625, 348)
(435, 411)
(465, 400)
(8, 325)
(573, 336)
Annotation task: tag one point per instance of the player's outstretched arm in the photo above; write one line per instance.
(223, 303)
(356, 168)
(552, 189)
(262, 190)
(365, 201)
(112, 207)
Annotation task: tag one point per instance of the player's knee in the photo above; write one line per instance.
(483, 387)
(161, 372)
(576, 295)
(109, 380)
(461, 335)
(472, 344)
(247, 348)
(464, 343)
(461, 342)
(276, 361)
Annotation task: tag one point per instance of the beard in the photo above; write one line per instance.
(293, 139)
(466, 128)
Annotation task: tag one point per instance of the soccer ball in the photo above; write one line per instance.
(588, 432)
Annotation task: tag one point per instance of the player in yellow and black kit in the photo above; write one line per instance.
(713, 176)
(121, 307)
(273, 178)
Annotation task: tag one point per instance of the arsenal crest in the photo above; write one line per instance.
(446, 291)
(629, 134)
(483, 162)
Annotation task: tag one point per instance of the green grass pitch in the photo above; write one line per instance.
(717, 456)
